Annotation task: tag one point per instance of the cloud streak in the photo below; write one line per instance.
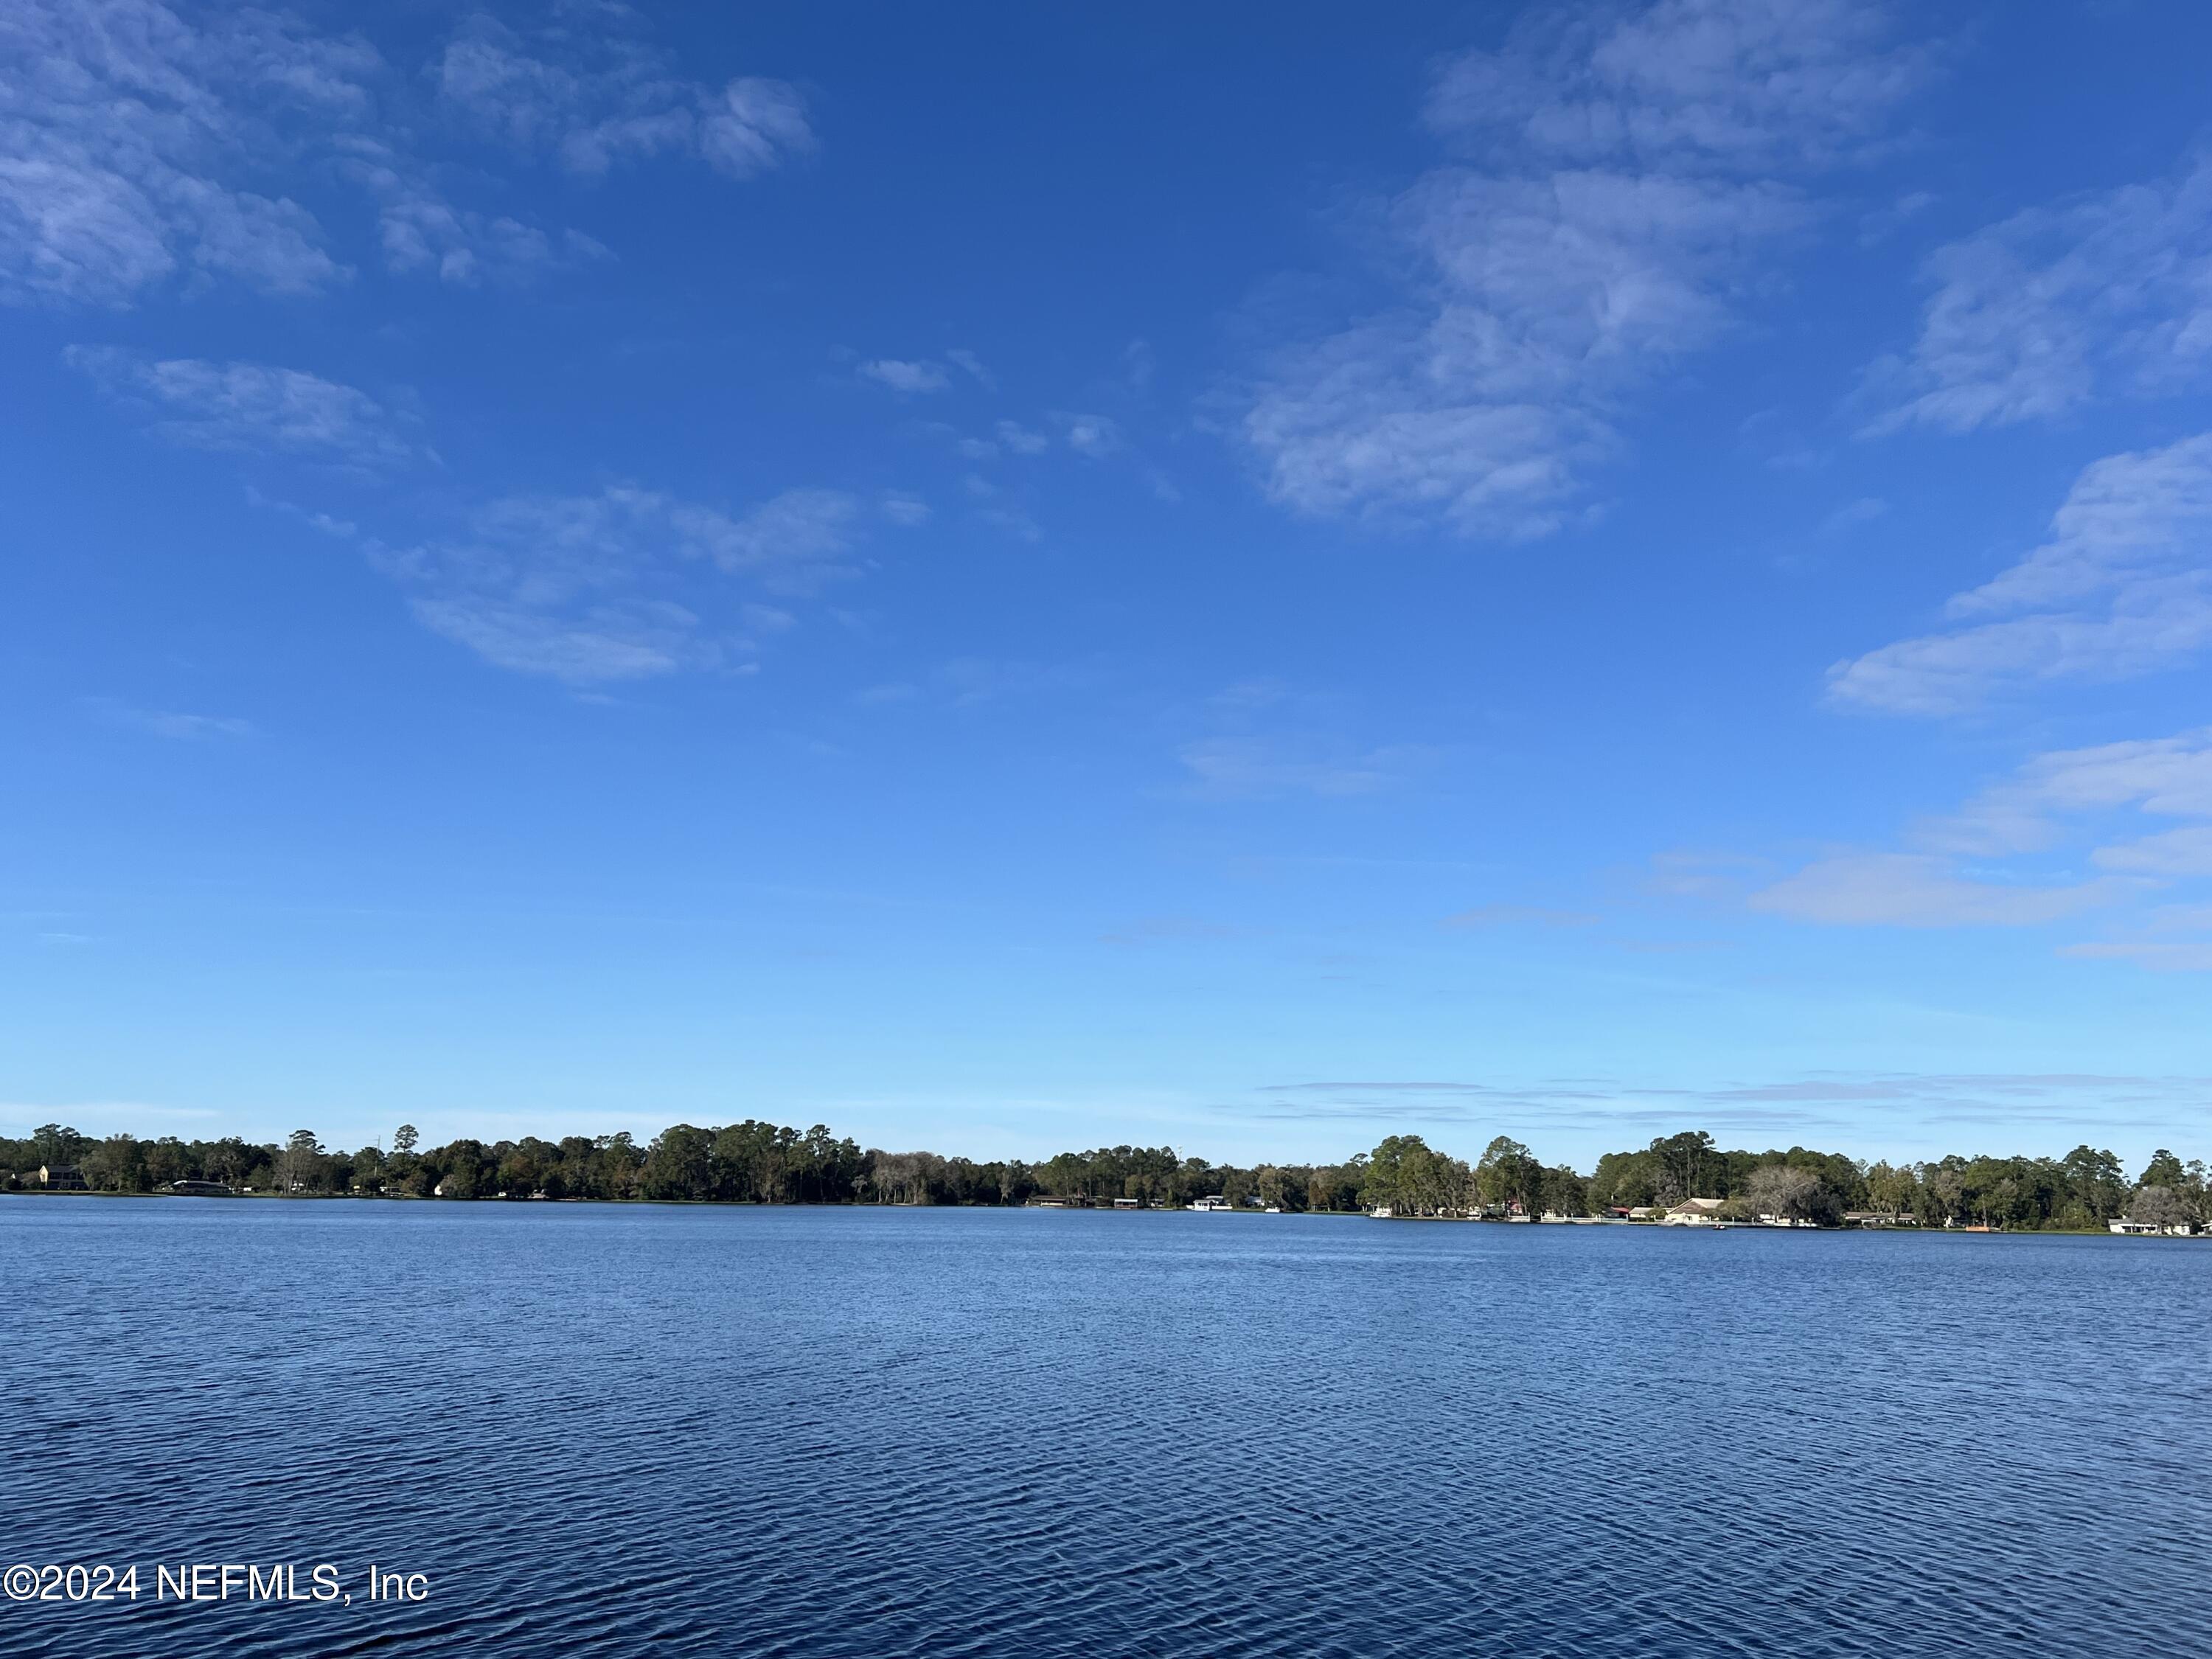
(617, 586)
(143, 146)
(614, 100)
(2122, 588)
(249, 408)
(1975, 868)
(2053, 309)
(1636, 173)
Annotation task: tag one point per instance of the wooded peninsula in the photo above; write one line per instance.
(760, 1163)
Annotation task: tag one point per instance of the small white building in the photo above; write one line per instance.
(1211, 1201)
(1692, 1212)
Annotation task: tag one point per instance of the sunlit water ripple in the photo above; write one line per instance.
(628, 1430)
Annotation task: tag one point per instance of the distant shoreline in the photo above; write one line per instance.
(1608, 1222)
(1684, 1179)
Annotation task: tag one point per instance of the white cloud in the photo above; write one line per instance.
(1635, 172)
(169, 723)
(795, 541)
(1751, 85)
(2167, 777)
(1865, 510)
(616, 586)
(123, 131)
(142, 145)
(973, 366)
(901, 375)
(421, 231)
(1255, 767)
(2170, 852)
(1909, 889)
(1270, 740)
(2098, 796)
(2157, 956)
(250, 407)
(2124, 587)
(904, 510)
(1093, 435)
(613, 100)
(2057, 307)
(1519, 916)
(1020, 441)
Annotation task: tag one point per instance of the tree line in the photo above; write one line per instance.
(761, 1162)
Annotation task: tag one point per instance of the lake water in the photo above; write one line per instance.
(628, 1430)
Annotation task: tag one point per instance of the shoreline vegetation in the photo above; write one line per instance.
(1685, 1178)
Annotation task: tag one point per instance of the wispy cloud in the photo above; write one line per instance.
(126, 131)
(1174, 930)
(1094, 436)
(2165, 956)
(973, 367)
(2166, 777)
(901, 374)
(1270, 740)
(1911, 889)
(421, 231)
(596, 98)
(169, 723)
(2123, 588)
(1020, 441)
(1634, 173)
(1261, 768)
(615, 587)
(1976, 866)
(1888, 1112)
(2099, 295)
(249, 407)
(143, 145)
(1519, 916)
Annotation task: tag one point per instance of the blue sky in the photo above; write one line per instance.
(1007, 580)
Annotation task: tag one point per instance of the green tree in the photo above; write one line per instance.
(1509, 1175)
(1565, 1192)
(301, 1165)
(2164, 1169)
(52, 1143)
(1894, 1190)
(117, 1164)
(679, 1164)
(1686, 1166)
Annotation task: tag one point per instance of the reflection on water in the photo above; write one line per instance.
(618, 1430)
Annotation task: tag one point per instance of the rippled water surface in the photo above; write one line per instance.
(629, 1430)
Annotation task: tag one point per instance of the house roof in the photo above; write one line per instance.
(1698, 1206)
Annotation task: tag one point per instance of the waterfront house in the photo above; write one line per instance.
(1211, 1201)
(2136, 1229)
(1692, 1212)
(61, 1178)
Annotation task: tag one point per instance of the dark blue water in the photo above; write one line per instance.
(621, 1431)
